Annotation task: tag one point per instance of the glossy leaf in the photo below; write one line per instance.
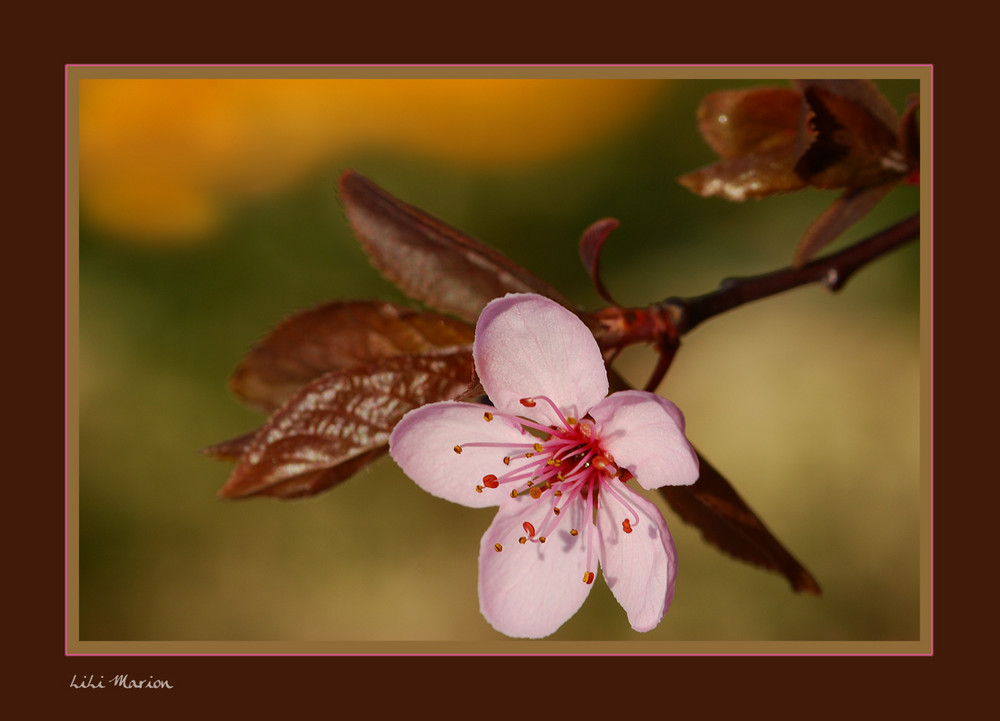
(428, 259)
(714, 507)
(864, 95)
(337, 337)
(759, 133)
(746, 177)
(341, 421)
(831, 134)
(231, 449)
(853, 147)
(728, 523)
(756, 120)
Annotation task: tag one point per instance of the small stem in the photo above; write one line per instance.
(833, 271)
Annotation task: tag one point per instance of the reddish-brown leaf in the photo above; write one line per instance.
(231, 449)
(909, 134)
(759, 133)
(840, 215)
(854, 147)
(337, 337)
(820, 133)
(341, 421)
(714, 507)
(428, 259)
(863, 94)
(591, 243)
(750, 176)
(728, 523)
(755, 120)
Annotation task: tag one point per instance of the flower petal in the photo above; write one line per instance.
(423, 445)
(529, 590)
(528, 345)
(645, 434)
(639, 567)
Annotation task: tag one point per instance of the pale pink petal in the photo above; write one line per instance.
(645, 434)
(423, 445)
(639, 567)
(528, 345)
(529, 590)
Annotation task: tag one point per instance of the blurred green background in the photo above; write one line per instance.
(198, 234)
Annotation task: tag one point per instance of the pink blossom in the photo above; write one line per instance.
(555, 453)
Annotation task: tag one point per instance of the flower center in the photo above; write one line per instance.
(559, 466)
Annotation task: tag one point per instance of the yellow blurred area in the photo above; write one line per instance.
(162, 160)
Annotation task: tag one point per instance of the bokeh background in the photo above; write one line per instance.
(208, 211)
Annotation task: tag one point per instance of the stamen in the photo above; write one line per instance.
(555, 510)
(574, 532)
(571, 420)
(559, 413)
(626, 524)
(487, 416)
(538, 447)
(588, 577)
(528, 403)
(591, 515)
(490, 481)
(513, 494)
(522, 540)
(541, 539)
(506, 460)
(498, 548)
(458, 449)
(479, 489)
(529, 529)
